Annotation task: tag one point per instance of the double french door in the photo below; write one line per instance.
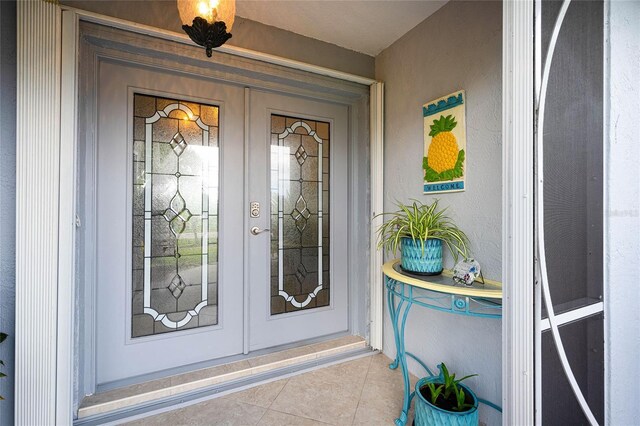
(189, 172)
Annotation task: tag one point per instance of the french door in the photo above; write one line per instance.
(169, 291)
(181, 276)
(299, 290)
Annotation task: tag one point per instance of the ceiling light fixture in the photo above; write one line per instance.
(211, 21)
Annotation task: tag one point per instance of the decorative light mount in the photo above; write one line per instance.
(211, 21)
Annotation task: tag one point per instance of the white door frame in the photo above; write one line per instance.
(517, 212)
(46, 192)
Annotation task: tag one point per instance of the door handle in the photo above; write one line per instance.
(255, 230)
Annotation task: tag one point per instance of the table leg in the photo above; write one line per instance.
(399, 315)
(393, 314)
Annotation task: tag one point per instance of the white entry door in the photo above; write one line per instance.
(298, 174)
(169, 191)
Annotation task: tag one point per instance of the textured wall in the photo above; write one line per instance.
(246, 33)
(7, 201)
(459, 47)
(622, 216)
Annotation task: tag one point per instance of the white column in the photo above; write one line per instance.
(517, 206)
(376, 291)
(37, 210)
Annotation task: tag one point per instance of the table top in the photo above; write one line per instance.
(443, 283)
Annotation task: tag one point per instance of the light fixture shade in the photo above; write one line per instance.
(211, 10)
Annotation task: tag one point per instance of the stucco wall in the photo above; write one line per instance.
(622, 216)
(246, 33)
(459, 47)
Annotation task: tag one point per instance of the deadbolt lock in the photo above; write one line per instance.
(254, 209)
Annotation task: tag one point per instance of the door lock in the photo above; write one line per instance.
(254, 209)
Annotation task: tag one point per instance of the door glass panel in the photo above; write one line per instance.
(584, 345)
(299, 214)
(573, 155)
(175, 215)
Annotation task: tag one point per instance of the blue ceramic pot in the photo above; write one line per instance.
(415, 260)
(427, 414)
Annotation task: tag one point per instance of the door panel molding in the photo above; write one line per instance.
(241, 52)
(188, 60)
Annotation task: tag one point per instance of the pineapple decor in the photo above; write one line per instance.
(445, 140)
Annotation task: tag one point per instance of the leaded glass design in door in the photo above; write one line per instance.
(299, 214)
(175, 215)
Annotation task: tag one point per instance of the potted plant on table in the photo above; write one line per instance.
(443, 400)
(419, 230)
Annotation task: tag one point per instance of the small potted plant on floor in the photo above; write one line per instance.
(443, 400)
(420, 230)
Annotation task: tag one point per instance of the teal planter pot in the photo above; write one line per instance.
(427, 414)
(414, 260)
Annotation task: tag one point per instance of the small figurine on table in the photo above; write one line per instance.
(466, 271)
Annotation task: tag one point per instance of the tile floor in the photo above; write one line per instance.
(119, 398)
(360, 392)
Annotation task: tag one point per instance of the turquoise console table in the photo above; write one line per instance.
(434, 292)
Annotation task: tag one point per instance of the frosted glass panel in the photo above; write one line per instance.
(174, 197)
(299, 214)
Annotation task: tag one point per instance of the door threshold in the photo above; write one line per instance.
(213, 380)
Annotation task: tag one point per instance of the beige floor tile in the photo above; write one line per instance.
(219, 411)
(379, 370)
(262, 395)
(352, 372)
(310, 397)
(160, 419)
(276, 418)
(383, 394)
(380, 403)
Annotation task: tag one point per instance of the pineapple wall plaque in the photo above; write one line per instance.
(445, 142)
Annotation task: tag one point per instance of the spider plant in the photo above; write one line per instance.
(420, 222)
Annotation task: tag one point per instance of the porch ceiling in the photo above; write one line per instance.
(364, 26)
